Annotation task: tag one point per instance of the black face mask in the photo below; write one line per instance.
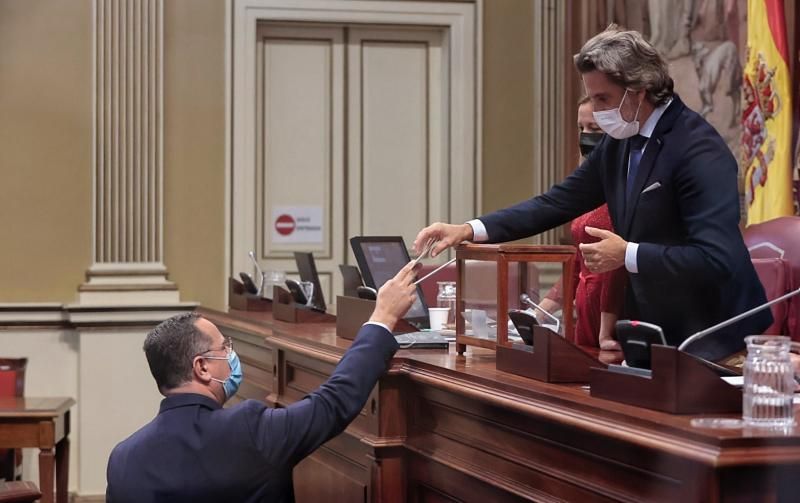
(588, 141)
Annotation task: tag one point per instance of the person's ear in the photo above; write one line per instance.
(200, 370)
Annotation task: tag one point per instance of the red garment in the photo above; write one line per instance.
(594, 293)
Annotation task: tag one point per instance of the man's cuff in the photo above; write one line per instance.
(631, 263)
(379, 324)
(479, 234)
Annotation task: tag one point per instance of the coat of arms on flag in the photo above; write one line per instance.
(761, 104)
(767, 114)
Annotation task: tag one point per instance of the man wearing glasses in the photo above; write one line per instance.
(194, 450)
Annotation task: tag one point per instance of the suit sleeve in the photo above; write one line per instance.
(285, 436)
(708, 201)
(579, 193)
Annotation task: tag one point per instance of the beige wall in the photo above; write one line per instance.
(46, 126)
(194, 148)
(46, 141)
(46, 146)
(507, 102)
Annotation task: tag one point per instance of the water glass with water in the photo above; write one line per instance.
(446, 297)
(271, 279)
(768, 382)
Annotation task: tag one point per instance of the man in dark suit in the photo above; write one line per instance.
(671, 187)
(196, 451)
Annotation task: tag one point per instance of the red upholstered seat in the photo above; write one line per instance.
(779, 239)
(12, 383)
(8, 383)
(775, 276)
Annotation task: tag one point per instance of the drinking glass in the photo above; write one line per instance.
(768, 382)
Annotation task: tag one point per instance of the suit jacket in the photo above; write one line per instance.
(196, 451)
(694, 269)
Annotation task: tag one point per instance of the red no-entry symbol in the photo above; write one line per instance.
(285, 225)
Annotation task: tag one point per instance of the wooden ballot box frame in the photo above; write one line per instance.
(679, 384)
(503, 255)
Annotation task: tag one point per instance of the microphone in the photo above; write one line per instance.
(260, 273)
(366, 292)
(247, 281)
(699, 335)
(524, 297)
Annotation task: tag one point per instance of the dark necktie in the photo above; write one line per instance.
(637, 147)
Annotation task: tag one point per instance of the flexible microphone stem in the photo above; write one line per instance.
(524, 297)
(736, 318)
(434, 271)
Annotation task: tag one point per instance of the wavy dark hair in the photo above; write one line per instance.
(628, 60)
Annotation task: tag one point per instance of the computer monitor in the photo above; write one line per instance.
(308, 272)
(380, 258)
(352, 279)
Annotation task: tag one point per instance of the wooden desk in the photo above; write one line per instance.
(443, 427)
(42, 423)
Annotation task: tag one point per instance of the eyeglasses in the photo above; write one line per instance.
(227, 346)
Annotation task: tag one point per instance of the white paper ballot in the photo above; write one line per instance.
(734, 380)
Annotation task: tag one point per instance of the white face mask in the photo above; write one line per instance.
(614, 125)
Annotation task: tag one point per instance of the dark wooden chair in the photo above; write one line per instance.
(12, 383)
(19, 492)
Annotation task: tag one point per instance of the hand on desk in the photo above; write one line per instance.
(447, 235)
(605, 255)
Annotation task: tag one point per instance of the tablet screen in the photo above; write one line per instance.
(379, 259)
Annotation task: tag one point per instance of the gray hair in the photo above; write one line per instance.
(170, 349)
(627, 59)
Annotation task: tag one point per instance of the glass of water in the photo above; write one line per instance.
(768, 382)
(271, 279)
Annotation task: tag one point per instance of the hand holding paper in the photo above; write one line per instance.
(445, 236)
(425, 251)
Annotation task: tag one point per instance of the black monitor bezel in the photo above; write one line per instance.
(351, 279)
(356, 245)
(307, 269)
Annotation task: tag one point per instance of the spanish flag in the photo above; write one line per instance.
(767, 114)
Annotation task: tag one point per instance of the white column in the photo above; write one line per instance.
(128, 252)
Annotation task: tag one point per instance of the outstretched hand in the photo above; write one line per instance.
(396, 297)
(445, 235)
(605, 255)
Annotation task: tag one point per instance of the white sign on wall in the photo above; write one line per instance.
(297, 224)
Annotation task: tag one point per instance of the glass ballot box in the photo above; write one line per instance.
(495, 279)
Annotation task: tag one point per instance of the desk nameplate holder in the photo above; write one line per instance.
(678, 384)
(284, 308)
(551, 359)
(352, 313)
(239, 299)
